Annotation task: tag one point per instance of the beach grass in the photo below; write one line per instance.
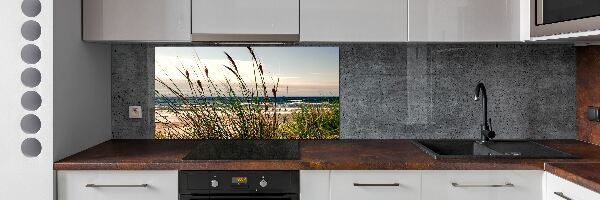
(236, 108)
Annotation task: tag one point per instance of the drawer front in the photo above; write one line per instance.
(560, 189)
(116, 185)
(482, 184)
(375, 185)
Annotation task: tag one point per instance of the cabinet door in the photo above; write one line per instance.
(117, 185)
(560, 189)
(482, 184)
(314, 185)
(136, 20)
(244, 18)
(468, 20)
(353, 20)
(375, 185)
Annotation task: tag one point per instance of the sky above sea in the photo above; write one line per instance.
(301, 71)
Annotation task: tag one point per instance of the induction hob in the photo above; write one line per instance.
(245, 150)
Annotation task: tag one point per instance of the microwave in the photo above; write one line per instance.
(554, 17)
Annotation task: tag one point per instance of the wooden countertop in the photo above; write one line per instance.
(314, 154)
(331, 155)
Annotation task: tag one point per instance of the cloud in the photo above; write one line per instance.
(295, 79)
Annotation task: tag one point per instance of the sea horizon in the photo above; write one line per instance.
(164, 101)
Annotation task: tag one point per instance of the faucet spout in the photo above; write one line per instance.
(481, 88)
(480, 94)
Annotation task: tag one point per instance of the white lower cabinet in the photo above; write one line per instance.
(422, 185)
(482, 185)
(341, 185)
(560, 189)
(375, 185)
(117, 185)
(314, 184)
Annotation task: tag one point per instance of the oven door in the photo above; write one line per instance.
(552, 17)
(240, 197)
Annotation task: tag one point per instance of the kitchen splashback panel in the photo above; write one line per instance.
(408, 90)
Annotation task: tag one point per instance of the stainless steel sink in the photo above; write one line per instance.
(495, 149)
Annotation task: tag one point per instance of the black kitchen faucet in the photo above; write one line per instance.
(486, 129)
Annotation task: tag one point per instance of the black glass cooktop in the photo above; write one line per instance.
(244, 150)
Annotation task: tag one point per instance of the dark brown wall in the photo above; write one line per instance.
(588, 92)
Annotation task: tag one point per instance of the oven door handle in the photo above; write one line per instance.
(249, 197)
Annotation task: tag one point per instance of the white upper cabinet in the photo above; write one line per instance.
(136, 20)
(245, 20)
(353, 20)
(468, 20)
(307, 20)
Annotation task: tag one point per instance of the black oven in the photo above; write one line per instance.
(238, 185)
(554, 17)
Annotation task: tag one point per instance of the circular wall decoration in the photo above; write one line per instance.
(31, 77)
(31, 54)
(31, 124)
(31, 100)
(31, 30)
(31, 8)
(31, 147)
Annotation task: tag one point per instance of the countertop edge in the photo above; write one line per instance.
(573, 176)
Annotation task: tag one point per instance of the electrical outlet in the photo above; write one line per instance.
(593, 114)
(135, 112)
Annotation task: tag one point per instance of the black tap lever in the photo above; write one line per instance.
(491, 134)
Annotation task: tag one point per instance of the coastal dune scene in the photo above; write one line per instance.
(247, 93)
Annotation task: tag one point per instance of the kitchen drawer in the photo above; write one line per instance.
(116, 185)
(375, 185)
(482, 185)
(560, 189)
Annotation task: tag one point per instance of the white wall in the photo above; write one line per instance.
(75, 82)
(82, 97)
(24, 177)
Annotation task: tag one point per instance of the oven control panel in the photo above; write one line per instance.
(230, 182)
(263, 182)
(239, 181)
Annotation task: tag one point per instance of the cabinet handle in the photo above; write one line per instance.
(560, 194)
(115, 186)
(376, 184)
(492, 185)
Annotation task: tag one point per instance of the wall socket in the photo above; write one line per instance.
(135, 112)
(593, 114)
